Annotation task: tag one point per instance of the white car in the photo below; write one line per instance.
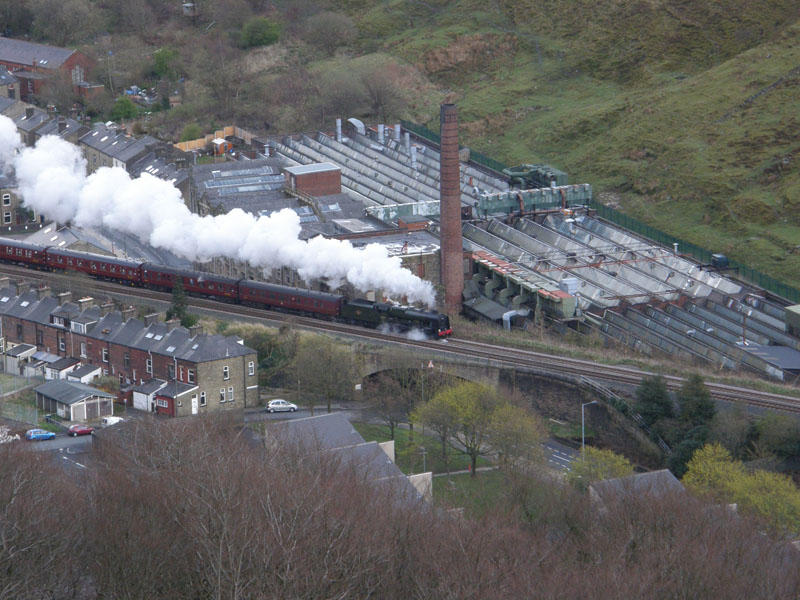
(280, 405)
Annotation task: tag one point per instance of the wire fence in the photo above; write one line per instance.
(701, 254)
(430, 135)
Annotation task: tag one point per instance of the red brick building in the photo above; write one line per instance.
(220, 372)
(34, 64)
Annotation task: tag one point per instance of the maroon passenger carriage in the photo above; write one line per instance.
(279, 297)
(163, 278)
(96, 265)
(14, 251)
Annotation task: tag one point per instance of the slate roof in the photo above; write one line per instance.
(117, 144)
(26, 53)
(132, 333)
(173, 389)
(84, 370)
(158, 167)
(654, 482)
(6, 78)
(71, 127)
(783, 357)
(149, 387)
(38, 119)
(19, 349)
(69, 392)
(324, 432)
(63, 363)
(6, 103)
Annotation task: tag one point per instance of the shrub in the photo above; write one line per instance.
(259, 31)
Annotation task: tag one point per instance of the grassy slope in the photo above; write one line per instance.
(641, 99)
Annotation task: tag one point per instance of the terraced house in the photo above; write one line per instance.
(195, 373)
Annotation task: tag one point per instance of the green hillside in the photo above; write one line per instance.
(684, 112)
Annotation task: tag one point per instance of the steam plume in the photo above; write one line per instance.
(52, 180)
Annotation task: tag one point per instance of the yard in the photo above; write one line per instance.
(410, 457)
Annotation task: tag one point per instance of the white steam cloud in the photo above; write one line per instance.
(53, 181)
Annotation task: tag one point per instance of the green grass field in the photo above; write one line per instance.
(683, 112)
(409, 455)
(476, 495)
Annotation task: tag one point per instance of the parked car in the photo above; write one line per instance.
(280, 405)
(39, 434)
(78, 429)
(106, 421)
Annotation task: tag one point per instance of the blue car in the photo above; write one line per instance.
(39, 434)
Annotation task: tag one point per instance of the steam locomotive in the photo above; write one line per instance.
(321, 305)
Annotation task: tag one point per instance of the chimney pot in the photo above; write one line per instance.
(64, 297)
(85, 302)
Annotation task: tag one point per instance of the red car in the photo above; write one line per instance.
(75, 430)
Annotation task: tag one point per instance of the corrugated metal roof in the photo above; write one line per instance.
(313, 168)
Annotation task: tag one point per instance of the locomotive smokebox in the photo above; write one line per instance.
(450, 210)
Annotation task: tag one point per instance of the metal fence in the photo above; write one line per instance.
(701, 254)
(476, 157)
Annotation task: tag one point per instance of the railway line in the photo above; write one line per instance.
(622, 375)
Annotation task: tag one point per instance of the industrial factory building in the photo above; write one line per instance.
(515, 246)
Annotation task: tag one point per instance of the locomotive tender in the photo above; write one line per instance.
(271, 296)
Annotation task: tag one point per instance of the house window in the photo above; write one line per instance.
(19, 330)
(226, 374)
(171, 371)
(105, 355)
(180, 403)
(149, 366)
(162, 403)
(251, 368)
(126, 360)
(230, 394)
(105, 372)
(6, 218)
(62, 345)
(221, 395)
(202, 398)
(83, 349)
(40, 338)
(190, 375)
(6, 199)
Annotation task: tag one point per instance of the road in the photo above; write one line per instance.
(558, 455)
(70, 452)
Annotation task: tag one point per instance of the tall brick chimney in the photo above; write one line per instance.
(450, 210)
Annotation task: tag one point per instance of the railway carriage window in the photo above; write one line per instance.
(69, 261)
(19, 252)
(191, 281)
(113, 269)
(219, 287)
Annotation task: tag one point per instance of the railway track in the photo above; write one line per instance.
(455, 347)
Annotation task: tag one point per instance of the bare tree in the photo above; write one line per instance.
(324, 369)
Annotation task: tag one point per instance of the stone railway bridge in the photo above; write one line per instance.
(552, 395)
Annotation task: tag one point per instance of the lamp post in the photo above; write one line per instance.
(583, 425)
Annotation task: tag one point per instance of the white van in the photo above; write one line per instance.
(106, 421)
